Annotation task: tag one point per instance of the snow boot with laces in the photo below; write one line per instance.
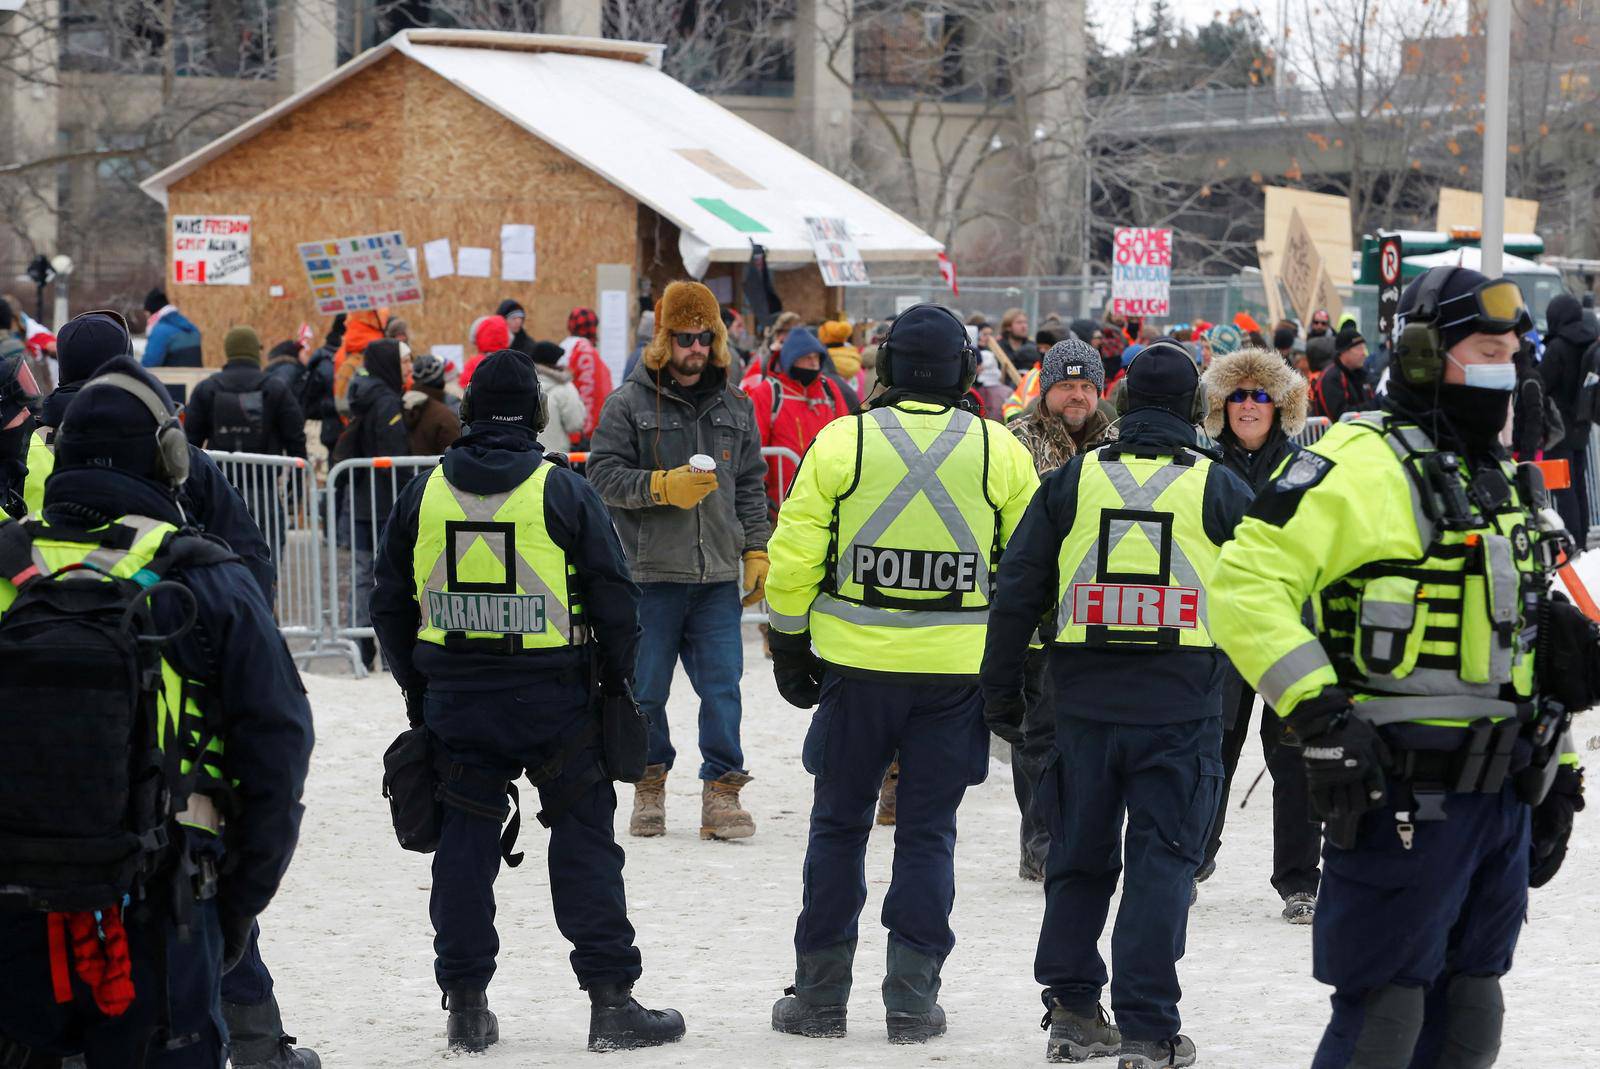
(1300, 907)
(910, 995)
(618, 1022)
(1077, 1037)
(650, 804)
(1156, 1053)
(256, 1039)
(471, 1026)
(815, 1006)
(886, 795)
(720, 814)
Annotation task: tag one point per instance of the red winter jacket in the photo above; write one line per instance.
(789, 416)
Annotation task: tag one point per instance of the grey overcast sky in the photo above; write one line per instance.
(1114, 18)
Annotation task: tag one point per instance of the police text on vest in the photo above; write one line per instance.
(915, 569)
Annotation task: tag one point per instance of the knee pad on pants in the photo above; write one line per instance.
(1389, 1028)
(1477, 1011)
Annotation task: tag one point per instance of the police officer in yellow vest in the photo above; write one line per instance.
(1431, 695)
(884, 562)
(497, 571)
(232, 727)
(1113, 564)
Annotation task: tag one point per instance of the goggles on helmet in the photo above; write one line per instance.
(19, 392)
(1494, 307)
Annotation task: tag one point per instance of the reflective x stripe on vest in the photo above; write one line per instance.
(486, 568)
(892, 568)
(1442, 639)
(1135, 566)
(181, 702)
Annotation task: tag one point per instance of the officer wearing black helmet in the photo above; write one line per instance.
(1431, 696)
(882, 576)
(496, 573)
(1115, 557)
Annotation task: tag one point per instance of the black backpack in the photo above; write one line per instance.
(1587, 407)
(239, 418)
(86, 793)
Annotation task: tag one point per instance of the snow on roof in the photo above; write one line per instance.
(1472, 256)
(721, 180)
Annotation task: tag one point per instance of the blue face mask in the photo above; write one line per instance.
(1501, 377)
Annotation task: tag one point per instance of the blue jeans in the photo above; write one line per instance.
(1166, 778)
(700, 623)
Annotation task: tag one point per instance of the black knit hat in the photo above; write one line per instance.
(1283, 338)
(547, 353)
(85, 344)
(505, 392)
(155, 300)
(1163, 375)
(106, 428)
(1349, 337)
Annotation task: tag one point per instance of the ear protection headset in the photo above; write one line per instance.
(968, 356)
(172, 445)
(1418, 352)
(1197, 410)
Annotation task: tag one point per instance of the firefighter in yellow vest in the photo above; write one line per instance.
(1431, 695)
(498, 569)
(1113, 565)
(883, 568)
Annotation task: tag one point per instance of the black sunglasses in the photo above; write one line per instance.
(705, 338)
(1260, 397)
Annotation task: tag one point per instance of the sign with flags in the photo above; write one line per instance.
(361, 273)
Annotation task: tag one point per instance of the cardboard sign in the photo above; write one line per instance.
(1134, 605)
(1327, 298)
(1141, 272)
(211, 250)
(837, 256)
(1464, 207)
(1390, 254)
(361, 273)
(1301, 267)
(1325, 215)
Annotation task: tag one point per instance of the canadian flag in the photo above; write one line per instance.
(947, 269)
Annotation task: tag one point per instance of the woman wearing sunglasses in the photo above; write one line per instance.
(1255, 403)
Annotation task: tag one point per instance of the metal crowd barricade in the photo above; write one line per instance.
(280, 493)
(359, 496)
(1315, 428)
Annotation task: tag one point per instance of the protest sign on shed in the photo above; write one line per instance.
(1141, 271)
(600, 164)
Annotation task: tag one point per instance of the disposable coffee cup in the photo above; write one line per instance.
(703, 463)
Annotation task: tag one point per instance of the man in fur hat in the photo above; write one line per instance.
(696, 542)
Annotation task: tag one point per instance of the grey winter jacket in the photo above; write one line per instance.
(643, 429)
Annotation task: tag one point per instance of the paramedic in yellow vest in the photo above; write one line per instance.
(1113, 565)
(497, 571)
(1430, 697)
(883, 568)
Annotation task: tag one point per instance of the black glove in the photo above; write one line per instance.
(1003, 714)
(236, 929)
(1344, 756)
(414, 703)
(1552, 825)
(797, 670)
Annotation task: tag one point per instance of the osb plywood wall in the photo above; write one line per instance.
(398, 148)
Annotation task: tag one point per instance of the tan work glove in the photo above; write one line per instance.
(756, 566)
(682, 486)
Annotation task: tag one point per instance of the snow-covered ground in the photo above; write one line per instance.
(349, 941)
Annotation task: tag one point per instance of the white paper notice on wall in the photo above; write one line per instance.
(518, 262)
(452, 356)
(411, 254)
(614, 331)
(473, 262)
(437, 256)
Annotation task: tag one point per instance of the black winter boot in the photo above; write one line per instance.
(815, 1005)
(256, 1039)
(618, 1022)
(471, 1026)
(910, 990)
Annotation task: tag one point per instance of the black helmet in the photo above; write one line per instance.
(927, 351)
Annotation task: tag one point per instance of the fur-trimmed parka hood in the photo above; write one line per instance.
(1286, 386)
(687, 307)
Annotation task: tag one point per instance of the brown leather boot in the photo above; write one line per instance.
(650, 804)
(720, 814)
(886, 795)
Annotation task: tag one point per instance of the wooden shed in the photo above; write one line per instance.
(444, 135)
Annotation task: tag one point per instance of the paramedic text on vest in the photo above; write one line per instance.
(884, 560)
(496, 572)
(1113, 564)
(110, 520)
(1431, 696)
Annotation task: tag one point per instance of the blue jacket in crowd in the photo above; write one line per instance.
(172, 342)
